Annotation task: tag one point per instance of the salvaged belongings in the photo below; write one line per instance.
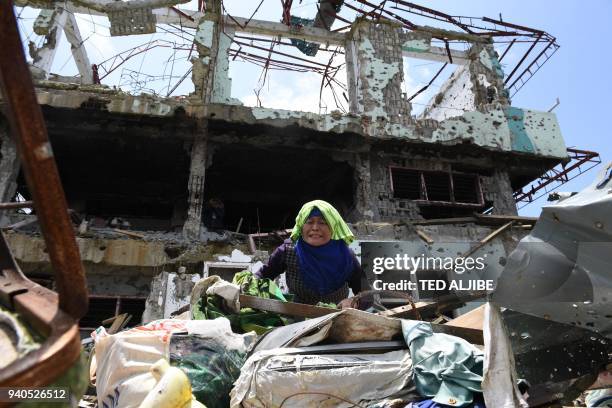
(340, 359)
(124, 360)
(276, 364)
(213, 297)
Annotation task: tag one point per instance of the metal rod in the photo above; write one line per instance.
(22, 204)
(429, 83)
(436, 13)
(523, 59)
(515, 26)
(507, 49)
(37, 161)
(532, 62)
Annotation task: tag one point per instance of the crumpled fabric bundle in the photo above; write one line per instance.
(447, 368)
(212, 297)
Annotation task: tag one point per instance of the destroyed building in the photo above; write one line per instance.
(142, 172)
(164, 190)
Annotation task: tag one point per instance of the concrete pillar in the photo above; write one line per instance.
(9, 169)
(499, 191)
(193, 223)
(375, 71)
(49, 23)
(207, 40)
(363, 192)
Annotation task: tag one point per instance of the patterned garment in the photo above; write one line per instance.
(302, 293)
(284, 260)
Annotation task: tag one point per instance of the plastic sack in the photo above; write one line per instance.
(124, 359)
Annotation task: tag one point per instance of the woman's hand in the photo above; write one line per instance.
(349, 303)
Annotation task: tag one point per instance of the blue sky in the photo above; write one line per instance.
(578, 74)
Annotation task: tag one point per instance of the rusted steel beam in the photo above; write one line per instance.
(507, 49)
(579, 158)
(510, 25)
(447, 17)
(30, 134)
(535, 60)
(523, 58)
(434, 77)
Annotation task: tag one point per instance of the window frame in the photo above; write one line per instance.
(424, 200)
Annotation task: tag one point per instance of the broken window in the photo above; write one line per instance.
(437, 187)
(105, 307)
(423, 79)
(265, 187)
(271, 73)
(106, 174)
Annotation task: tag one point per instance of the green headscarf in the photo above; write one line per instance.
(338, 227)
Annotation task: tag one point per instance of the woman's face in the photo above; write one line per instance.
(316, 232)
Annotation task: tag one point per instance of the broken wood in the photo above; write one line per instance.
(474, 336)
(440, 221)
(444, 303)
(21, 223)
(441, 319)
(470, 320)
(252, 237)
(488, 238)
(424, 237)
(477, 219)
(285, 308)
(505, 218)
(239, 225)
(409, 311)
(129, 233)
(118, 322)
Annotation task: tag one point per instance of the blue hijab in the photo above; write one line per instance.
(324, 269)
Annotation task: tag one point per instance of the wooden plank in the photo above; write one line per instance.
(448, 302)
(506, 218)
(441, 221)
(119, 323)
(128, 233)
(487, 239)
(424, 237)
(471, 320)
(407, 310)
(474, 336)
(286, 308)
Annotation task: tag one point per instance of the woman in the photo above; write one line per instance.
(316, 260)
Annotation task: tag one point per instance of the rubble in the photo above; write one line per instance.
(176, 201)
